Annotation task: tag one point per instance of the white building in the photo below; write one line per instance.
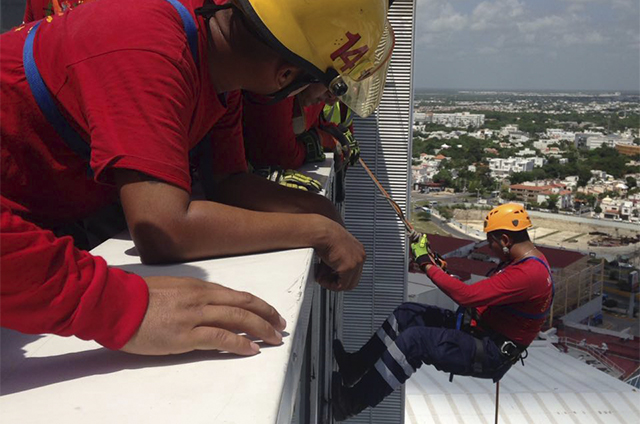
(508, 129)
(594, 140)
(557, 134)
(419, 117)
(502, 168)
(526, 152)
(464, 119)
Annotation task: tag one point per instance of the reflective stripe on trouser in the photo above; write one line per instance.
(421, 337)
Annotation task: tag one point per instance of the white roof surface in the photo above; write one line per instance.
(552, 387)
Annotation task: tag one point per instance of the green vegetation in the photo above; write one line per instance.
(538, 122)
(427, 227)
(555, 110)
(580, 163)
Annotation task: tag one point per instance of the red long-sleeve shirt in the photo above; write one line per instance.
(526, 286)
(49, 286)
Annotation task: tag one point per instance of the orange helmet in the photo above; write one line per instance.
(510, 216)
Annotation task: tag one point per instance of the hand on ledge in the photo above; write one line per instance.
(342, 257)
(186, 314)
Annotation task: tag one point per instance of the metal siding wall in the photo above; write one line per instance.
(385, 140)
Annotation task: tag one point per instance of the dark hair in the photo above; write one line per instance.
(516, 236)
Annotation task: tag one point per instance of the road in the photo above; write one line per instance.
(444, 227)
(416, 196)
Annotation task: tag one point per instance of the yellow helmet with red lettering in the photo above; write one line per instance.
(344, 44)
(510, 216)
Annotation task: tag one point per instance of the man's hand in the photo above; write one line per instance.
(186, 314)
(342, 257)
(423, 255)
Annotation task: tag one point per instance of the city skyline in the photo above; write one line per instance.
(571, 45)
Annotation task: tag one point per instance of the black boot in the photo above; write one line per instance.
(343, 403)
(351, 367)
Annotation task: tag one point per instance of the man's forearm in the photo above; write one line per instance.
(167, 226)
(253, 192)
(209, 229)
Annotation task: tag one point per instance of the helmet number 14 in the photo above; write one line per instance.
(350, 57)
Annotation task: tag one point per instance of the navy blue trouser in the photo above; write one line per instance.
(415, 334)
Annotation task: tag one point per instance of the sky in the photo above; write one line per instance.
(528, 44)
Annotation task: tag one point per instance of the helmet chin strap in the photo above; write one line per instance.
(285, 92)
(208, 9)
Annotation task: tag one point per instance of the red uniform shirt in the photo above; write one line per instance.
(49, 286)
(123, 75)
(269, 136)
(525, 286)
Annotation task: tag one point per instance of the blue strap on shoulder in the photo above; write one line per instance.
(541, 315)
(189, 25)
(45, 101)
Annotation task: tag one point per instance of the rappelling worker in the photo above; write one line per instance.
(502, 315)
(105, 101)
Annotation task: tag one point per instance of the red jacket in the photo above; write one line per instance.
(526, 286)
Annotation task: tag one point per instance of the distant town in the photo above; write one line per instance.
(569, 153)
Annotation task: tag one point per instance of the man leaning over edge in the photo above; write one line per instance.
(140, 99)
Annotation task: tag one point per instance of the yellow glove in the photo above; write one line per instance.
(294, 179)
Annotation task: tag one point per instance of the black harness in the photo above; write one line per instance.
(510, 350)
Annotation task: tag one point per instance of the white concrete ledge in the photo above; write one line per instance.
(48, 378)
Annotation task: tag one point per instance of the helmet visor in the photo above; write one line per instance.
(365, 82)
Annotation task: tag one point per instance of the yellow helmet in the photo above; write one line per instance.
(344, 44)
(510, 216)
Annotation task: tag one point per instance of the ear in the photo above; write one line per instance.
(286, 73)
(506, 240)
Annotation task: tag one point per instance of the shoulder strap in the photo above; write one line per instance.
(45, 101)
(540, 315)
(189, 25)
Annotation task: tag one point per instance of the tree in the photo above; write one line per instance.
(631, 182)
(584, 175)
(443, 176)
(552, 202)
(445, 213)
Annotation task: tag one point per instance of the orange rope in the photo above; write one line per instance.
(393, 204)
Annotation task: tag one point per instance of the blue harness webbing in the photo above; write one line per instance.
(45, 101)
(523, 314)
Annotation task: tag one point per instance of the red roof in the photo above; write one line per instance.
(440, 157)
(445, 244)
(470, 266)
(557, 258)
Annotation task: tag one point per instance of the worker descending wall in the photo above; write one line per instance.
(385, 140)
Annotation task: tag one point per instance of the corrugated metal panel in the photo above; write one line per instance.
(385, 140)
(552, 387)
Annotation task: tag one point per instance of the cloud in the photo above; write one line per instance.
(496, 14)
(542, 24)
(538, 34)
(592, 38)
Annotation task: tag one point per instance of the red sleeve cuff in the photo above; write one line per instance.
(123, 304)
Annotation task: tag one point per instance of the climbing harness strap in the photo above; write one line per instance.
(46, 103)
(527, 315)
